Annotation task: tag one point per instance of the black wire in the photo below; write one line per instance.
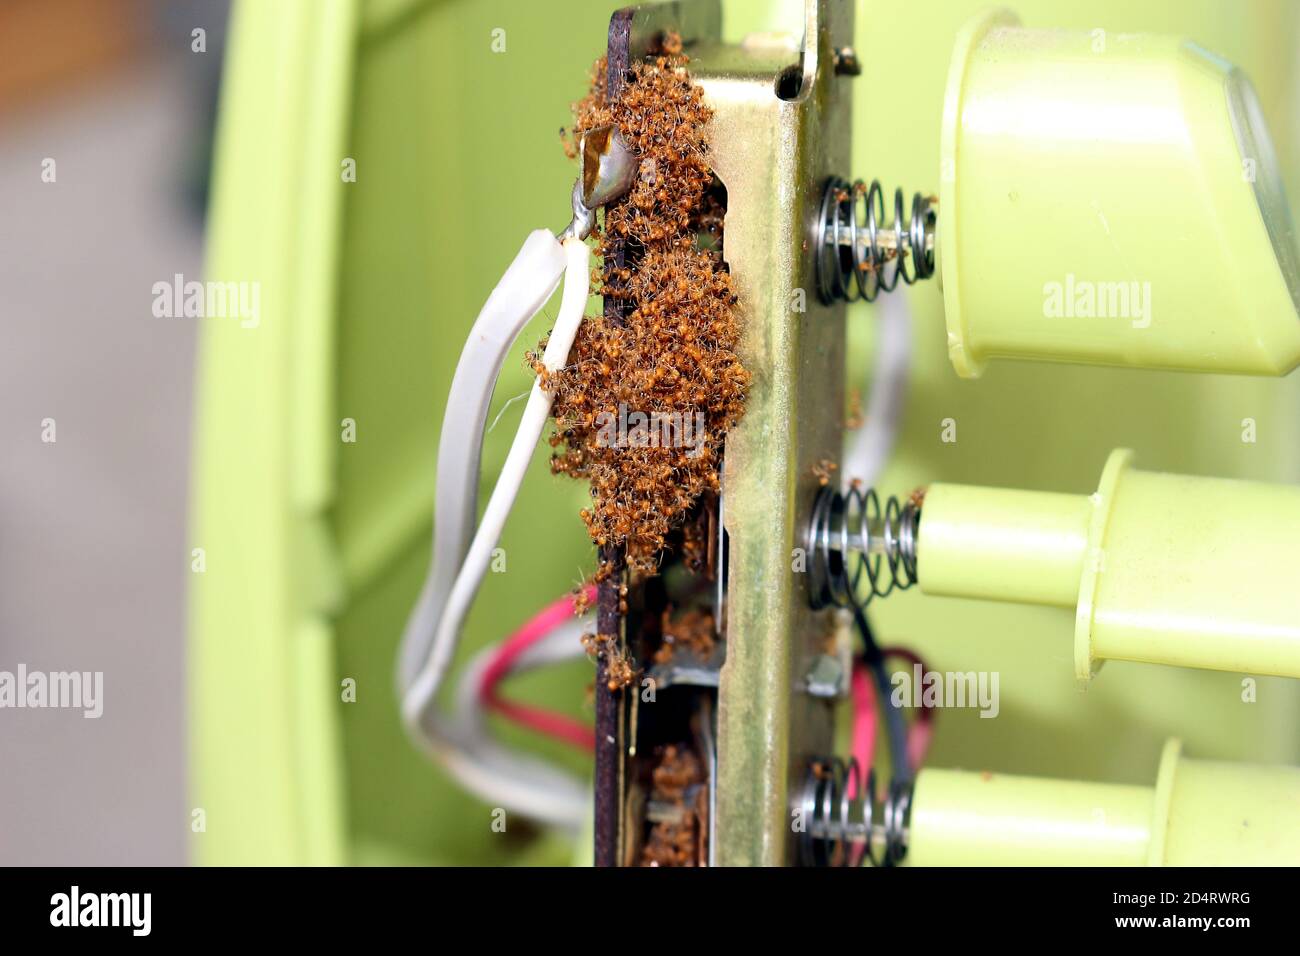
(895, 725)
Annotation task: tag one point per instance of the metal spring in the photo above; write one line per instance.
(855, 251)
(850, 537)
(844, 822)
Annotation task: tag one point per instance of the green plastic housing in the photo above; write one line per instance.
(1199, 813)
(1113, 199)
(1168, 569)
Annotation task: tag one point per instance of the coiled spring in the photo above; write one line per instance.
(845, 823)
(857, 255)
(858, 550)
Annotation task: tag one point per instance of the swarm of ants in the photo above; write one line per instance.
(675, 841)
(670, 347)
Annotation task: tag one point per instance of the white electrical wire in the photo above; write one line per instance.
(874, 441)
(520, 295)
(513, 781)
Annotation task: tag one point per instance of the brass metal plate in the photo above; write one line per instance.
(774, 156)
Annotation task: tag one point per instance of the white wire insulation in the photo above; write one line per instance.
(526, 286)
(516, 782)
(874, 441)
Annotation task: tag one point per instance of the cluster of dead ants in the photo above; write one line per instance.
(670, 345)
(675, 841)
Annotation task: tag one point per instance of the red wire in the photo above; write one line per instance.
(863, 742)
(549, 723)
(575, 732)
(863, 745)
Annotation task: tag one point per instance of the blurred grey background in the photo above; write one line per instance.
(93, 560)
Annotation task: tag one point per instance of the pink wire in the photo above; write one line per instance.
(863, 746)
(561, 727)
(863, 742)
(546, 722)
(863, 694)
(558, 726)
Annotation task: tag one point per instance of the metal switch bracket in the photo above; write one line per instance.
(780, 131)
